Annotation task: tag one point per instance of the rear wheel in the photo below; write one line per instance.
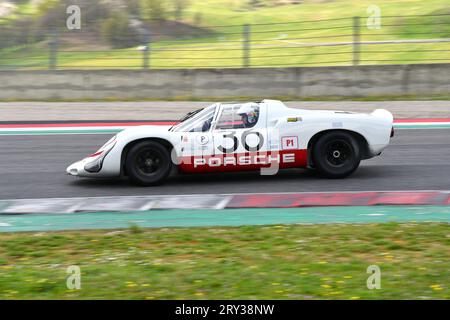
(148, 163)
(336, 155)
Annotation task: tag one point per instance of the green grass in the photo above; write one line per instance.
(267, 262)
(271, 49)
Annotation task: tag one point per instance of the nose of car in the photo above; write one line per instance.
(72, 169)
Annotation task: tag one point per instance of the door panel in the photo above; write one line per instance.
(232, 147)
(197, 146)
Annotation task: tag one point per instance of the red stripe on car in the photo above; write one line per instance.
(244, 161)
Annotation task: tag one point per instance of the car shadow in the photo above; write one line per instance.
(230, 178)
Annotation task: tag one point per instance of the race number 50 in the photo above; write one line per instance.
(245, 135)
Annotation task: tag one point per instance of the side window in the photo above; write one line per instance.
(239, 116)
(203, 125)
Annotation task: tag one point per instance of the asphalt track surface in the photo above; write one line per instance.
(34, 167)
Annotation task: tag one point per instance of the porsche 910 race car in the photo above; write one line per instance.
(225, 137)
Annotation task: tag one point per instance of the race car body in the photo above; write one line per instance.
(264, 135)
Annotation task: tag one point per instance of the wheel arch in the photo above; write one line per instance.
(167, 144)
(362, 142)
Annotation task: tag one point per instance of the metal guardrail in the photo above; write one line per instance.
(256, 45)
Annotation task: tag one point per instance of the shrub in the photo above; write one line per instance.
(116, 30)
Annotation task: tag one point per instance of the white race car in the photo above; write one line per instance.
(224, 137)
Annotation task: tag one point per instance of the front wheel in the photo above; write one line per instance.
(148, 163)
(336, 155)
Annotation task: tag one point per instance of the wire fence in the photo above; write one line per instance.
(327, 42)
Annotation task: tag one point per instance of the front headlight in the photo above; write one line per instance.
(95, 165)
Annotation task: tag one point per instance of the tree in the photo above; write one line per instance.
(116, 30)
(180, 6)
(155, 9)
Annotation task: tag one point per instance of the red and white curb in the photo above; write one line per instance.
(114, 127)
(422, 123)
(223, 201)
(112, 204)
(325, 199)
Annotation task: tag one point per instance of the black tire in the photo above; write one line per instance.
(336, 155)
(148, 163)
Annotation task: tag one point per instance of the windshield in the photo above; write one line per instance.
(198, 120)
(190, 115)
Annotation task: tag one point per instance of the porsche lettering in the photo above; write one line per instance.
(231, 160)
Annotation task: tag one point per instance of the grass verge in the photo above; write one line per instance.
(264, 262)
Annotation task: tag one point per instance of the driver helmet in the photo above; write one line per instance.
(249, 114)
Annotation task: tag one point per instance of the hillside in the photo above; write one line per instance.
(209, 33)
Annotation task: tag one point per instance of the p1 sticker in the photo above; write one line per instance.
(289, 143)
